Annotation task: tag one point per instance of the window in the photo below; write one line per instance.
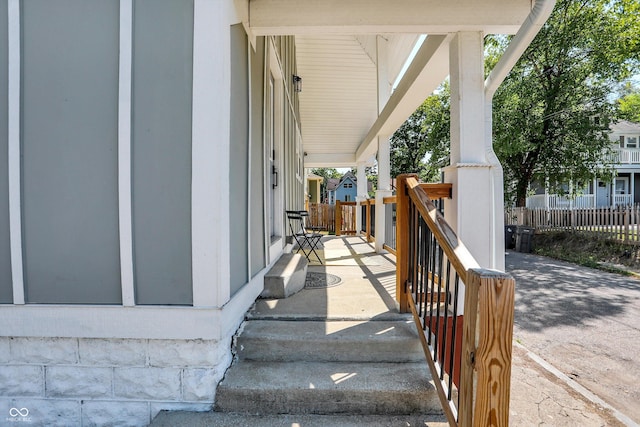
(347, 198)
(632, 142)
(348, 185)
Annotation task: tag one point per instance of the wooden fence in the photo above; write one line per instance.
(346, 218)
(619, 222)
(323, 217)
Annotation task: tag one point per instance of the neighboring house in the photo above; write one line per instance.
(624, 187)
(150, 149)
(330, 191)
(314, 185)
(344, 189)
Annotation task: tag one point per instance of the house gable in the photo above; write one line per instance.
(625, 134)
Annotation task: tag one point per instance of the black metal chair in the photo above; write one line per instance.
(302, 237)
(307, 227)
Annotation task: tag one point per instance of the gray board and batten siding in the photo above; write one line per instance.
(69, 127)
(6, 288)
(69, 148)
(161, 150)
(69, 153)
(239, 159)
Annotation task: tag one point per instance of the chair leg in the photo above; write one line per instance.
(313, 244)
(301, 243)
(317, 256)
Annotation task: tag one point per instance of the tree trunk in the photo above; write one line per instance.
(521, 193)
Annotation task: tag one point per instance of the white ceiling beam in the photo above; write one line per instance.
(428, 69)
(281, 17)
(333, 160)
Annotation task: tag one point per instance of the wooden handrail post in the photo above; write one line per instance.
(402, 240)
(485, 380)
(338, 218)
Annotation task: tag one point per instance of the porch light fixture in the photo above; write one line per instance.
(297, 83)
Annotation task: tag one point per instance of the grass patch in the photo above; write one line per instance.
(588, 249)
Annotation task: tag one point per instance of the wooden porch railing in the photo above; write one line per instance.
(440, 282)
(368, 205)
(345, 218)
(433, 190)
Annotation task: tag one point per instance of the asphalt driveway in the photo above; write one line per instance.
(584, 322)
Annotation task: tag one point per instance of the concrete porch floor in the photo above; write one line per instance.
(366, 290)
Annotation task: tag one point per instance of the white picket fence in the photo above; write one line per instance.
(618, 222)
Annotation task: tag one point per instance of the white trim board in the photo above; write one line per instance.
(15, 200)
(124, 153)
(210, 154)
(140, 322)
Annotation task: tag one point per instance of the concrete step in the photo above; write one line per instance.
(262, 311)
(286, 277)
(217, 419)
(327, 388)
(331, 341)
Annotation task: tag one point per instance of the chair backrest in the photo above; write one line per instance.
(305, 218)
(293, 217)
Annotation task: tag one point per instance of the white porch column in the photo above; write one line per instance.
(470, 212)
(361, 192)
(384, 146)
(384, 188)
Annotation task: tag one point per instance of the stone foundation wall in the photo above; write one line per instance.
(100, 382)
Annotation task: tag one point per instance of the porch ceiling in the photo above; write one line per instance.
(338, 103)
(336, 57)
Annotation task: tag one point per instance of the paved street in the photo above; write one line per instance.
(584, 322)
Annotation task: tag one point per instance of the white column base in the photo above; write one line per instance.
(470, 212)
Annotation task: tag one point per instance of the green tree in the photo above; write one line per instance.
(629, 105)
(421, 144)
(551, 114)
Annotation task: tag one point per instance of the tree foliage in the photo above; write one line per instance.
(629, 104)
(421, 144)
(551, 115)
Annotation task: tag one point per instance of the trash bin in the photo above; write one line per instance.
(510, 236)
(524, 239)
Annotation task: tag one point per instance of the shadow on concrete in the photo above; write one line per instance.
(366, 292)
(551, 293)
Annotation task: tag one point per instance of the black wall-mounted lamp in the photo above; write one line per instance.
(297, 83)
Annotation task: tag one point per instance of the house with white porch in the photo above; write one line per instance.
(313, 188)
(152, 147)
(623, 189)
